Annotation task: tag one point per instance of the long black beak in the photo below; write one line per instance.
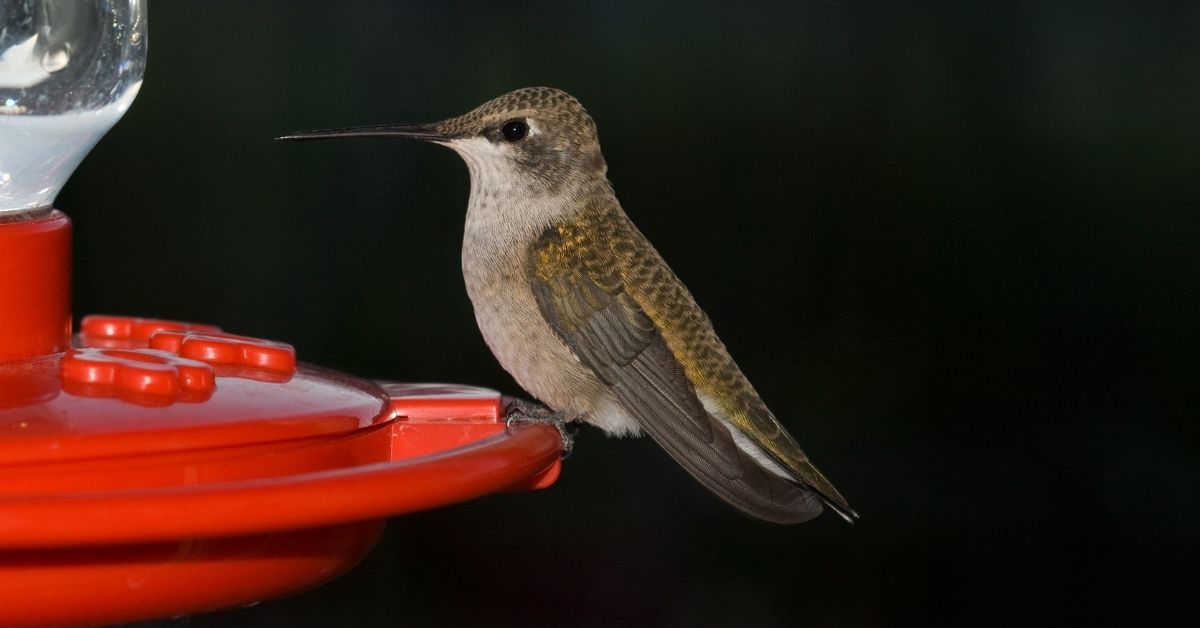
(427, 132)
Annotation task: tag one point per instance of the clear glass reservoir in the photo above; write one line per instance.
(68, 71)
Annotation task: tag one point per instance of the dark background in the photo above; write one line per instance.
(953, 248)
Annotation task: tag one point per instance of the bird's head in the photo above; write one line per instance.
(535, 139)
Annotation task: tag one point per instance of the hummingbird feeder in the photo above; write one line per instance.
(153, 468)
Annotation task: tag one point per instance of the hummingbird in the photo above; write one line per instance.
(583, 312)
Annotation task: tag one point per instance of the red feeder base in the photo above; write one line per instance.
(159, 468)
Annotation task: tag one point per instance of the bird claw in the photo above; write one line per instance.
(520, 411)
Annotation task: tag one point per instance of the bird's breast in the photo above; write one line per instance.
(497, 281)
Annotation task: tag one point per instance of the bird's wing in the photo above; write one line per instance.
(584, 300)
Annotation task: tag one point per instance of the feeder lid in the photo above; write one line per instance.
(140, 387)
(151, 430)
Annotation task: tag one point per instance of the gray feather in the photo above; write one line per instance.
(611, 335)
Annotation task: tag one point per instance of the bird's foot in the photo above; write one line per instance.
(520, 411)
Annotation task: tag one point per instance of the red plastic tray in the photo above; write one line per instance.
(160, 468)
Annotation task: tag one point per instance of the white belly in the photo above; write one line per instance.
(527, 347)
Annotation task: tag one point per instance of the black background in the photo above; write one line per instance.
(953, 248)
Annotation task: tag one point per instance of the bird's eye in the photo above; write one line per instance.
(514, 130)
